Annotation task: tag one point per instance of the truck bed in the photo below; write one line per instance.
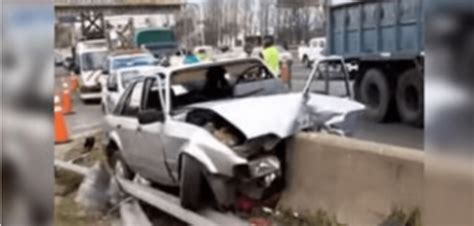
(376, 29)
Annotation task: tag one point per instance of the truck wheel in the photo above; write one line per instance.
(410, 97)
(375, 94)
(191, 183)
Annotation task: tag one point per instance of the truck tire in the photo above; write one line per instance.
(374, 92)
(410, 97)
(191, 183)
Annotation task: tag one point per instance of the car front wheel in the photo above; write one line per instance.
(191, 183)
(120, 168)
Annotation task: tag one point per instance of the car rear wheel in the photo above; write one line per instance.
(191, 183)
(410, 97)
(375, 94)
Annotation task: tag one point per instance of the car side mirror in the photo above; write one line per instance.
(150, 116)
(112, 87)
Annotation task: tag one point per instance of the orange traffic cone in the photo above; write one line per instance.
(61, 134)
(74, 82)
(66, 100)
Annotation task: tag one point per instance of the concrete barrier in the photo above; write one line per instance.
(359, 182)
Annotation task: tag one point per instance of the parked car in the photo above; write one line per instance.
(217, 130)
(118, 81)
(311, 53)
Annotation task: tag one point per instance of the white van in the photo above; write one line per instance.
(90, 59)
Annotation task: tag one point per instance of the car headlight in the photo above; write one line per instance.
(263, 166)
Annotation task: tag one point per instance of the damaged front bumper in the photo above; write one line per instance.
(258, 175)
(258, 168)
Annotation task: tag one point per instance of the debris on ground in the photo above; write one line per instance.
(85, 151)
(68, 213)
(93, 192)
(401, 218)
(282, 217)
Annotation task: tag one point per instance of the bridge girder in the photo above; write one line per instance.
(117, 10)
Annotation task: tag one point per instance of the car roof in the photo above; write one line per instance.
(213, 63)
(127, 52)
(92, 46)
(170, 70)
(146, 68)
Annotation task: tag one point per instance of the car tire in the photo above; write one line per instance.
(410, 97)
(120, 167)
(375, 94)
(191, 183)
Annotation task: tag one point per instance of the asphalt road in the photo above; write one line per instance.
(89, 117)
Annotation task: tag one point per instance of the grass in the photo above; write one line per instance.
(69, 213)
(401, 218)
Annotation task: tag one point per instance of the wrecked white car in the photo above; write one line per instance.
(216, 130)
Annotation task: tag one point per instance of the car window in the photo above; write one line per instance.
(218, 82)
(152, 96)
(93, 60)
(322, 44)
(133, 62)
(334, 86)
(128, 77)
(132, 105)
(107, 64)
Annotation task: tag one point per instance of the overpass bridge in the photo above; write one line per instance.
(75, 8)
(92, 13)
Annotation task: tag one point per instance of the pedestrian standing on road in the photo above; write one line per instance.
(271, 56)
(190, 58)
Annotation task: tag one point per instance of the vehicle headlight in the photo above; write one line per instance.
(263, 166)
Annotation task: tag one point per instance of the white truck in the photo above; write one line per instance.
(90, 57)
(310, 54)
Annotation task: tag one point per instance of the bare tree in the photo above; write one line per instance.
(291, 22)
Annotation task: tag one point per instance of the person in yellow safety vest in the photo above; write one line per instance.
(271, 56)
(202, 55)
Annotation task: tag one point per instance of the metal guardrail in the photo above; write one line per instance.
(161, 200)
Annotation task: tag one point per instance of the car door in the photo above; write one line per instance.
(126, 123)
(150, 136)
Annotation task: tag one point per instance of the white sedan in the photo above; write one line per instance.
(118, 82)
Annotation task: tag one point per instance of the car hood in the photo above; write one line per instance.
(282, 115)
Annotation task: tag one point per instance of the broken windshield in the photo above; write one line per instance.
(226, 81)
